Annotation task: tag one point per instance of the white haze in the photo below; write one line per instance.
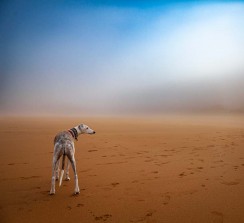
(180, 59)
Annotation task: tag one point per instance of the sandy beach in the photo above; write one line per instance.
(145, 169)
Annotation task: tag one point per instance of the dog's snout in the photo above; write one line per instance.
(94, 132)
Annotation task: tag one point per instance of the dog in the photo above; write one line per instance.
(64, 146)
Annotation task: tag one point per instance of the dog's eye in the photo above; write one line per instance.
(86, 127)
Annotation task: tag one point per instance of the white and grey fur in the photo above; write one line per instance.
(64, 146)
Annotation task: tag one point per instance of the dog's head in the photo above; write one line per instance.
(85, 129)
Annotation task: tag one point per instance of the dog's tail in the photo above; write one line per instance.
(62, 171)
(61, 177)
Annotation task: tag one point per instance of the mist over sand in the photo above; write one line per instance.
(221, 95)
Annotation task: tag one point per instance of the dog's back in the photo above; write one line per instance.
(63, 144)
(62, 138)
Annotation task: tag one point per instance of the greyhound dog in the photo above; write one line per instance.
(64, 146)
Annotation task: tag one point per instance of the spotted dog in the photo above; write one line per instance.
(64, 146)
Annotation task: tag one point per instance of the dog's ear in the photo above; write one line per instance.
(80, 126)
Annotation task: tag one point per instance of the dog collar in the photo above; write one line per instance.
(74, 133)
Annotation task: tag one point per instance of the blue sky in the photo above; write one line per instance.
(121, 56)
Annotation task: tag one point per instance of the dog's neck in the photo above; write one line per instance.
(75, 132)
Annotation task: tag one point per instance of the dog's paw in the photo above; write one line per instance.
(52, 192)
(67, 178)
(77, 191)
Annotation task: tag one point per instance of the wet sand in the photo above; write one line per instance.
(144, 169)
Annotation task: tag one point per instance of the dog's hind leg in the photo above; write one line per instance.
(68, 166)
(52, 191)
(56, 156)
(57, 170)
(73, 164)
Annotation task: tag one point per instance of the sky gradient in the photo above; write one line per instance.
(109, 57)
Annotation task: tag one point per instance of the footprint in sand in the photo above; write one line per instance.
(183, 174)
(148, 160)
(217, 217)
(160, 164)
(230, 183)
(166, 198)
(115, 184)
(45, 192)
(85, 170)
(69, 207)
(36, 188)
(140, 200)
(92, 150)
(218, 161)
(146, 217)
(27, 178)
(102, 217)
